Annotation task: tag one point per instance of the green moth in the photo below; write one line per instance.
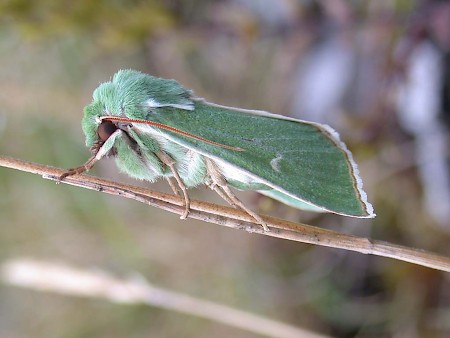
(154, 128)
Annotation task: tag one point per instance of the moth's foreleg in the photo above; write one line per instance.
(81, 169)
(98, 154)
(170, 162)
(220, 185)
(100, 149)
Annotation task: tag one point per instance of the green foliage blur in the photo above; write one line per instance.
(54, 53)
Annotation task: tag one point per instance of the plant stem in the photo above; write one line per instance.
(237, 219)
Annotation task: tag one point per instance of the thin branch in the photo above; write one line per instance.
(59, 278)
(237, 219)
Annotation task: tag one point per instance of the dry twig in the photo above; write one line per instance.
(63, 279)
(237, 219)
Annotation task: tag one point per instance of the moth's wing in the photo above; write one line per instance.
(301, 161)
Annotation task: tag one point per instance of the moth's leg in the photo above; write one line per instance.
(100, 149)
(222, 194)
(220, 185)
(173, 185)
(169, 161)
(81, 169)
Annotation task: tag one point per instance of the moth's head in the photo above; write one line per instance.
(113, 98)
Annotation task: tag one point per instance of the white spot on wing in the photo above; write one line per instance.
(152, 103)
(275, 162)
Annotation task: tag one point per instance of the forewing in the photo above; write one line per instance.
(300, 160)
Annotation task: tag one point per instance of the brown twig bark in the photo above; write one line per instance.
(237, 219)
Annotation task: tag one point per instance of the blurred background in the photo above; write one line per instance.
(377, 71)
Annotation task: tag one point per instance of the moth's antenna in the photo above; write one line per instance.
(163, 126)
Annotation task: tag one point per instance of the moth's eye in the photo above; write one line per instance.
(105, 130)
